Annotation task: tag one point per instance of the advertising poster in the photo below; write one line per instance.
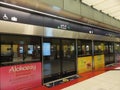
(84, 64)
(99, 62)
(20, 77)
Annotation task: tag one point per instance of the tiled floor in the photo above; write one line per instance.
(107, 81)
(104, 79)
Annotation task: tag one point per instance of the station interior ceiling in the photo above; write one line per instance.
(110, 7)
(103, 11)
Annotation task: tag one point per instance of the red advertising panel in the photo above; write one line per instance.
(20, 77)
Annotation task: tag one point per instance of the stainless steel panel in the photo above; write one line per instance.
(105, 38)
(18, 28)
(51, 32)
(101, 38)
(117, 39)
(25, 29)
(85, 36)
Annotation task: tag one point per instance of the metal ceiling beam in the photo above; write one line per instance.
(43, 7)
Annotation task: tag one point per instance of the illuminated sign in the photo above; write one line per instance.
(63, 26)
(46, 49)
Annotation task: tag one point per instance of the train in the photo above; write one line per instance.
(40, 49)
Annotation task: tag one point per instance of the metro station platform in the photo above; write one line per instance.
(104, 79)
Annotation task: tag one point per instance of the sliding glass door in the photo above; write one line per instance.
(109, 53)
(68, 57)
(51, 59)
(59, 58)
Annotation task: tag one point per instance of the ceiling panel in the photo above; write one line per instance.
(110, 7)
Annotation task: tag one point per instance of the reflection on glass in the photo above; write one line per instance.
(30, 49)
(117, 48)
(69, 56)
(99, 47)
(6, 53)
(111, 48)
(68, 49)
(19, 49)
(6, 50)
(84, 48)
(117, 52)
(109, 53)
(106, 49)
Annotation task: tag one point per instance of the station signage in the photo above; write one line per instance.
(18, 16)
(12, 15)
